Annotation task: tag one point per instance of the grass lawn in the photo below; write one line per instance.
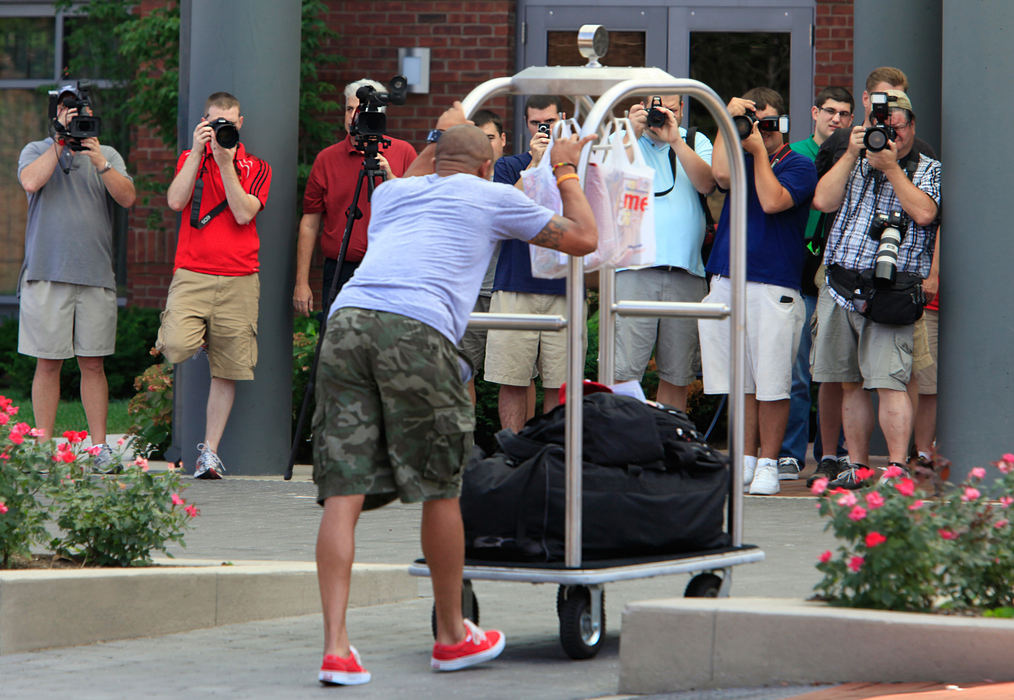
(71, 416)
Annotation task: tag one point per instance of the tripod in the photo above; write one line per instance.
(368, 173)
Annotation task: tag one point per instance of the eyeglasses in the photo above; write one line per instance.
(901, 126)
(832, 112)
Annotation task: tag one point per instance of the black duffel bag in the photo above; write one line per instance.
(648, 487)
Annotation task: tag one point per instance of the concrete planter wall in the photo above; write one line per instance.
(678, 644)
(64, 607)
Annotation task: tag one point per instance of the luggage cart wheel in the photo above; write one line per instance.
(582, 620)
(469, 607)
(703, 586)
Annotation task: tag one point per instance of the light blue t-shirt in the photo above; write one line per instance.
(429, 243)
(679, 218)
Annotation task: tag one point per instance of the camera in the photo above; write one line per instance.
(656, 117)
(226, 132)
(82, 126)
(744, 123)
(876, 136)
(889, 229)
(370, 119)
(545, 128)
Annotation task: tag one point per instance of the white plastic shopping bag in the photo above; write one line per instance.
(630, 184)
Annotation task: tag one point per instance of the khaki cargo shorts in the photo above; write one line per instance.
(393, 418)
(217, 310)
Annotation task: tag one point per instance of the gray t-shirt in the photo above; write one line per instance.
(429, 244)
(69, 234)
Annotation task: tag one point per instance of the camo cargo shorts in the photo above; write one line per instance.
(393, 418)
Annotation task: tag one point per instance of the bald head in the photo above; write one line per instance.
(463, 149)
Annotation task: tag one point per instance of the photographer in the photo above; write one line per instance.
(780, 186)
(894, 191)
(393, 418)
(682, 174)
(328, 196)
(214, 296)
(67, 289)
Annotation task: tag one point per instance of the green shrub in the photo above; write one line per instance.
(151, 410)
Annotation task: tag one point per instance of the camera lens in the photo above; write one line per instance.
(226, 134)
(875, 139)
(886, 266)
(544, 128)
(744, 125)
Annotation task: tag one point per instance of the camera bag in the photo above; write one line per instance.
(901, 304)
(650, 486)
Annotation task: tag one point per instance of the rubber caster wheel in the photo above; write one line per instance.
(469, 607)
(703, 586)
(581, 634)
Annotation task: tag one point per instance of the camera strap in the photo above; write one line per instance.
(196, 220)
(779, 154)
(672, 165)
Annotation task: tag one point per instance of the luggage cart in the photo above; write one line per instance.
(580, 595)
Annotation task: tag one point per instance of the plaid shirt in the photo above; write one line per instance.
(849, 243)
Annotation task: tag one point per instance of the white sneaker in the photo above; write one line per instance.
(209, 466)
(765, 478)
(749, 467)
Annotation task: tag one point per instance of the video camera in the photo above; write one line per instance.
(369, 123)
(876, 136)
(744, 123)
(82, 126)
(889, 229)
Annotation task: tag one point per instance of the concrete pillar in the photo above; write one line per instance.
(904, 34)
(250, 49)
(976, 380)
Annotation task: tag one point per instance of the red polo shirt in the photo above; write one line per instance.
(332, 184)
(222, 246)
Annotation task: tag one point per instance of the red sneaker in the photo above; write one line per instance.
(343, 671)
(478, 646)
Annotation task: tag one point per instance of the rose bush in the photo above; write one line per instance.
(902, 551)
(102, 519)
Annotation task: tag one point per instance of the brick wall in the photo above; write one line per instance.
(833, 45)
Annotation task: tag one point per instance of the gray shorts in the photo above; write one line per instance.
(58, 321)
(852, 348)
(674, 340)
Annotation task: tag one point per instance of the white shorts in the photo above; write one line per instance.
(774, 320)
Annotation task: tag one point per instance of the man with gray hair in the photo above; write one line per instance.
(328, 196)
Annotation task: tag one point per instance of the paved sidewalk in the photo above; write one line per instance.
(268, 518)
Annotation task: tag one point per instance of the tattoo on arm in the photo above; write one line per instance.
(551, 236)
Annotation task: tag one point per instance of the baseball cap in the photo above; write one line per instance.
(900, 101)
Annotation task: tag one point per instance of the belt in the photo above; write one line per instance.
(668, 268)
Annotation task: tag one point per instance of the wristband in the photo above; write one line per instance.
(564, 178)
(560, 165)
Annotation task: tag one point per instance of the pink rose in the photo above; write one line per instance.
(847, 499)
(906, 487)
(947, 534)
(970, 495)
(4, 509)
(17, 438)
(893, 471)
(67, 456)
(977, 473)
(917, 505)
(1001, 524)
(191, 511)
(874, 500)
(71, 436)
(856, 563)
(1005, 501)
(864, 473)
(177, 501)
(4, 418)
(819, 486)
(93, 450)
(825, 557)
(873, 539)
(12, 410)
(857, 513)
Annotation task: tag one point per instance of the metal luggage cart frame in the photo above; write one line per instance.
(580, 597)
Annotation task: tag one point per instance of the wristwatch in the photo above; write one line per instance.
(434, 135)
(106, 168)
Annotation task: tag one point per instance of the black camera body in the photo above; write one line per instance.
(370, 119)
(84, 125)
(656, 117)
(876, 137)
(545, 128)
(226, 132)
(889, 230)
(744, 123)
